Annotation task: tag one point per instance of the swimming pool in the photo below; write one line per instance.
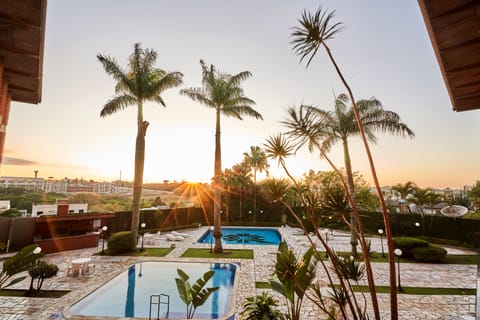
(245, 235)
(128, 294)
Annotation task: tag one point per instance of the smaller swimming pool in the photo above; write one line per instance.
(128, 294)
(245, 235)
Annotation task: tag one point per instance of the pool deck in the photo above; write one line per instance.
(445, 307)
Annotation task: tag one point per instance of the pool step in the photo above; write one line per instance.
(156, 300)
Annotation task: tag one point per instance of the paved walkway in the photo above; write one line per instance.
(260, 269)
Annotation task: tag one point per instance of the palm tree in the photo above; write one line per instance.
(404, 190)
(261, 307)
(342, 125)
(274, 189)
(234, 181)
(257, 161)
(223, 93)
(136, 84)
(314, 32)
(293, 276)
(422, 198)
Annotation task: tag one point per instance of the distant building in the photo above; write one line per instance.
(35, 184)
(4, 205)
(62, 207)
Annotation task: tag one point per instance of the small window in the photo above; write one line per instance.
(81, 211)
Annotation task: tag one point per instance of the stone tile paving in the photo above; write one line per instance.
(260, 269)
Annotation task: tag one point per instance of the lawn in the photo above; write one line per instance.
(449, 259)
(421, 290)
(151, 252)
(406, 290)
(228, 254)
(40, 294)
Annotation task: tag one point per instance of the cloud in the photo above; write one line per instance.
(18, 162)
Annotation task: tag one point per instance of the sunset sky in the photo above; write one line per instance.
(384, 51)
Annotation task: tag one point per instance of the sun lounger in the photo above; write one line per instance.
(172, 237)
(183, 235)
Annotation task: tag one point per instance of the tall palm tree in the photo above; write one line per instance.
(307, 39)
(234, 181)
(136, 84)
(404, 190)
(242, 181)
(340, 125)
(223, 93)
(257, 161)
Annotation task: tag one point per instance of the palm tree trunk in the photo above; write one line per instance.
(351, 189)
(240, 207)
(386, 218)
(217, 192)
(138, 179)
(254, 195)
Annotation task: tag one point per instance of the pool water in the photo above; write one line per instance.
(256, 236)
(128, 294)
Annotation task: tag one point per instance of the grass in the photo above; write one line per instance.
(230, 254)
(421, 290)
(406, 290)
(151, 252)
(449, 258)
(40, 294)
(262, 285)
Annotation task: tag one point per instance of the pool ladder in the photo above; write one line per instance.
(158, 302)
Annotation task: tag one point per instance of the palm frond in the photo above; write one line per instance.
(241, 110)
(278, 147)
(198, 95)
(112, 68)
(165, 81)
(239, 77)
(313, 31)
(116, 104)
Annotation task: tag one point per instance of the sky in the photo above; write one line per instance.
(383, 50)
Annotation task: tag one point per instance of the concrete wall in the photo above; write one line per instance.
(18, 230)
(68, 243)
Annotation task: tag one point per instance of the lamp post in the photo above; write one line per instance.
(211, 239)
(417, 229)
(398, 253)
(104, 230)
(380, 232)
(143, 225)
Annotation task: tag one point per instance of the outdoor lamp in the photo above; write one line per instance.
(143, 225)
(37, 250)
(380, 232)
(104, 230)
(398, 253)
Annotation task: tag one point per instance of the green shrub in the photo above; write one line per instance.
(407, 244)
(11, 213)
(20, 262)
(429, 254)
(41, 271)
(120, 242)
